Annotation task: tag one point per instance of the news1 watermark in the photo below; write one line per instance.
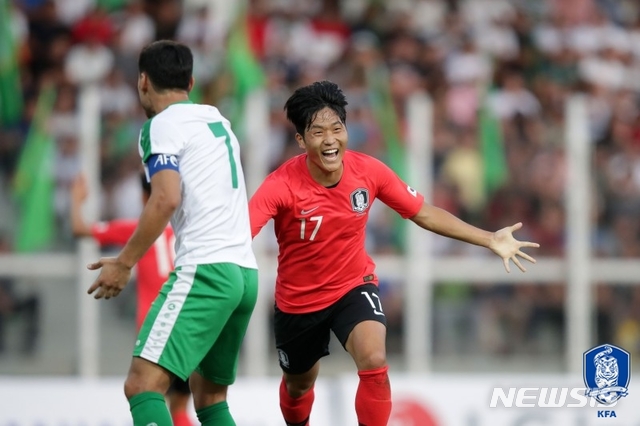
(544, 397)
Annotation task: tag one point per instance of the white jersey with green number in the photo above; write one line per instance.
(211, 223)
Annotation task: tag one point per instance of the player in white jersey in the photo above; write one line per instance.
(196, 325)
(210, 223)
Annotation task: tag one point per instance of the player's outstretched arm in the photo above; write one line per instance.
(79, 193)
(501, 242)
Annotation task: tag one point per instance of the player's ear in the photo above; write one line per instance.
(143, 83)
(192, 83)
(300, 141)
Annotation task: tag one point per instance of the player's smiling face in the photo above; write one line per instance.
(325, 141)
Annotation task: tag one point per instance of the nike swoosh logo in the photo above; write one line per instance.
(303, 212)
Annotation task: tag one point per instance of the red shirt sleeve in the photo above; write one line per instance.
(395, 193)
(115, 232)
(266, 203)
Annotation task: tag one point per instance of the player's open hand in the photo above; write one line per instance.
(113, 277)
(508, 248)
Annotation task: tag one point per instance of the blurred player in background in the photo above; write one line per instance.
(326, 281)
(153, 270)
(14, 304)
(196, 325)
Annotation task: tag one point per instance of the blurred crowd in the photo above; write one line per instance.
(519, 59)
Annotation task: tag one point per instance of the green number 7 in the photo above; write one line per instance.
(219, 131)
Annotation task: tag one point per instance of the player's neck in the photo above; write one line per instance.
(163, 100)
(323, 177)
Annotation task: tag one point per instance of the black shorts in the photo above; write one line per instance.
(179, 386)
(302, 339)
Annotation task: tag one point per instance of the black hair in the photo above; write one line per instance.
(306, 101)
(146, 185)
(168, 64)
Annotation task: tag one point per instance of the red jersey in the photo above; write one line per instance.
(154, 266)
(321, 231)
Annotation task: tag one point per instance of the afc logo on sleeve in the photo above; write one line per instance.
(158, 162)
(165, 160)
(360, 200)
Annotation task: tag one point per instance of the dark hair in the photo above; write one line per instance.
(146, 185)
(306, 101)
(168, 64)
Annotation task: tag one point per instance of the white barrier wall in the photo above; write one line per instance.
(78, 402)
(419, 400)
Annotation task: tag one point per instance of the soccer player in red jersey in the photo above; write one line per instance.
(320, 202)
(153, 270)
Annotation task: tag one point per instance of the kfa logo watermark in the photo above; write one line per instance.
(607, 372)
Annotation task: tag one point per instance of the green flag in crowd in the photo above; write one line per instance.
(492, 148)
(10, 86)
(245, 69)
(387, 117)
(33, 184)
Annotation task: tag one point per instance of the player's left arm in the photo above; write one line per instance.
(161, 144)
(500, 242)
(410, 204)
(161, 160)
(79, 193)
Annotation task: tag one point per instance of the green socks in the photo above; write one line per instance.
(215, 415)
(150, 408)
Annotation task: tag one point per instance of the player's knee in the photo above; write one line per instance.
(205, 392)
(296, 390)
(372, 360)
(145, 376)
(135, 385)
(132, 387)
(298, 386)
(206, 399)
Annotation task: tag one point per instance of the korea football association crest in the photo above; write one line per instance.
(283, 358)
(606, 371)
(360, 200)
